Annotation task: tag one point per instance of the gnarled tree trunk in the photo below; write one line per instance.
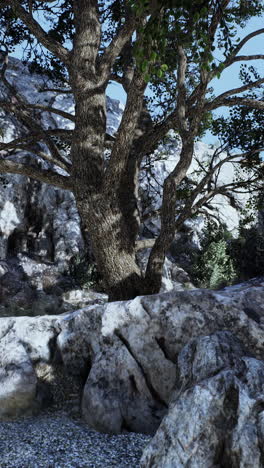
(113, 252)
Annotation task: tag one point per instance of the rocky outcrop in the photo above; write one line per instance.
(195, 356)
(30, 287)
(216, 418)
(39, 220)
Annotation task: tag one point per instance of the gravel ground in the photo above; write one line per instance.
(58, 441)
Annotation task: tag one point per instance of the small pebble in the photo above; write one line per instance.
(57, 441)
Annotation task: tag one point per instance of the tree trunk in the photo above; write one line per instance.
(114, 255)
(168, 222)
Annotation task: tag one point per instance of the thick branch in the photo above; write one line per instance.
(125, 134)
(47, 177)
(217, 18)
(55, 90)
(145, 244)
(245, 58)
(181, 100)
(237, 101)
(53, 110)
(231, 58)
(148, 142)
(51, 44)
(219, 99)
(115, 47)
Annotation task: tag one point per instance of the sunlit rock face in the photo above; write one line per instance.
(217, 418)
(193, 359)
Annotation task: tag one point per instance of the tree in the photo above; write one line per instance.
(169, 45)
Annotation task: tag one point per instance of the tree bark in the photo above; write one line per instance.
(117, 265)
(168, 223)
(100, 208)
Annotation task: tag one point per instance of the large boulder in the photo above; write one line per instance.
(24, 342)
(216, 418)
(17, 376)
(125, 355)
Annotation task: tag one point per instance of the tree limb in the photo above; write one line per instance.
(55, 90)
(219, 99)
(115, 47)
(53, 110)
(245, 58)
(239, 101)
(181, 100)
(45, 176)
(234, 53)
(124, 137)
(49, 43)
(145, 244)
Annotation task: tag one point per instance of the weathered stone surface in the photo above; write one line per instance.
(125, 378)
(35, 288)
(216, 417)
(79, 339)
(18, 380)
(130, 357)
(39, 220)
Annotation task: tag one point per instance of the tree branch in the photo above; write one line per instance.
(47, 177)
(115, 47)
(232, 56)
(51, 44)
(145, 244)
(239, 101)
(124, 137)
(55, 90)
(245, 58)
(21, 144)
(181, 100)
(147, 143)
(219, 99)
(53, 110)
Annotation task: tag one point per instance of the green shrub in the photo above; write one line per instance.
(248, 253)
(214, 268)
(84, 272)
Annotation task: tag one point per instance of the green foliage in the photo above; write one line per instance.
(185, 22)
(248, 253)
(248, 249)
(214, 268)
(217, 266)
(84, 272)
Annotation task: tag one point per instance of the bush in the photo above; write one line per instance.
(214, 268)
(248, 253)
(84, 272)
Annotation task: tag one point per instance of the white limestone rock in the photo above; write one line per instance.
(18, 380)
(216, 416)
(129, 357)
